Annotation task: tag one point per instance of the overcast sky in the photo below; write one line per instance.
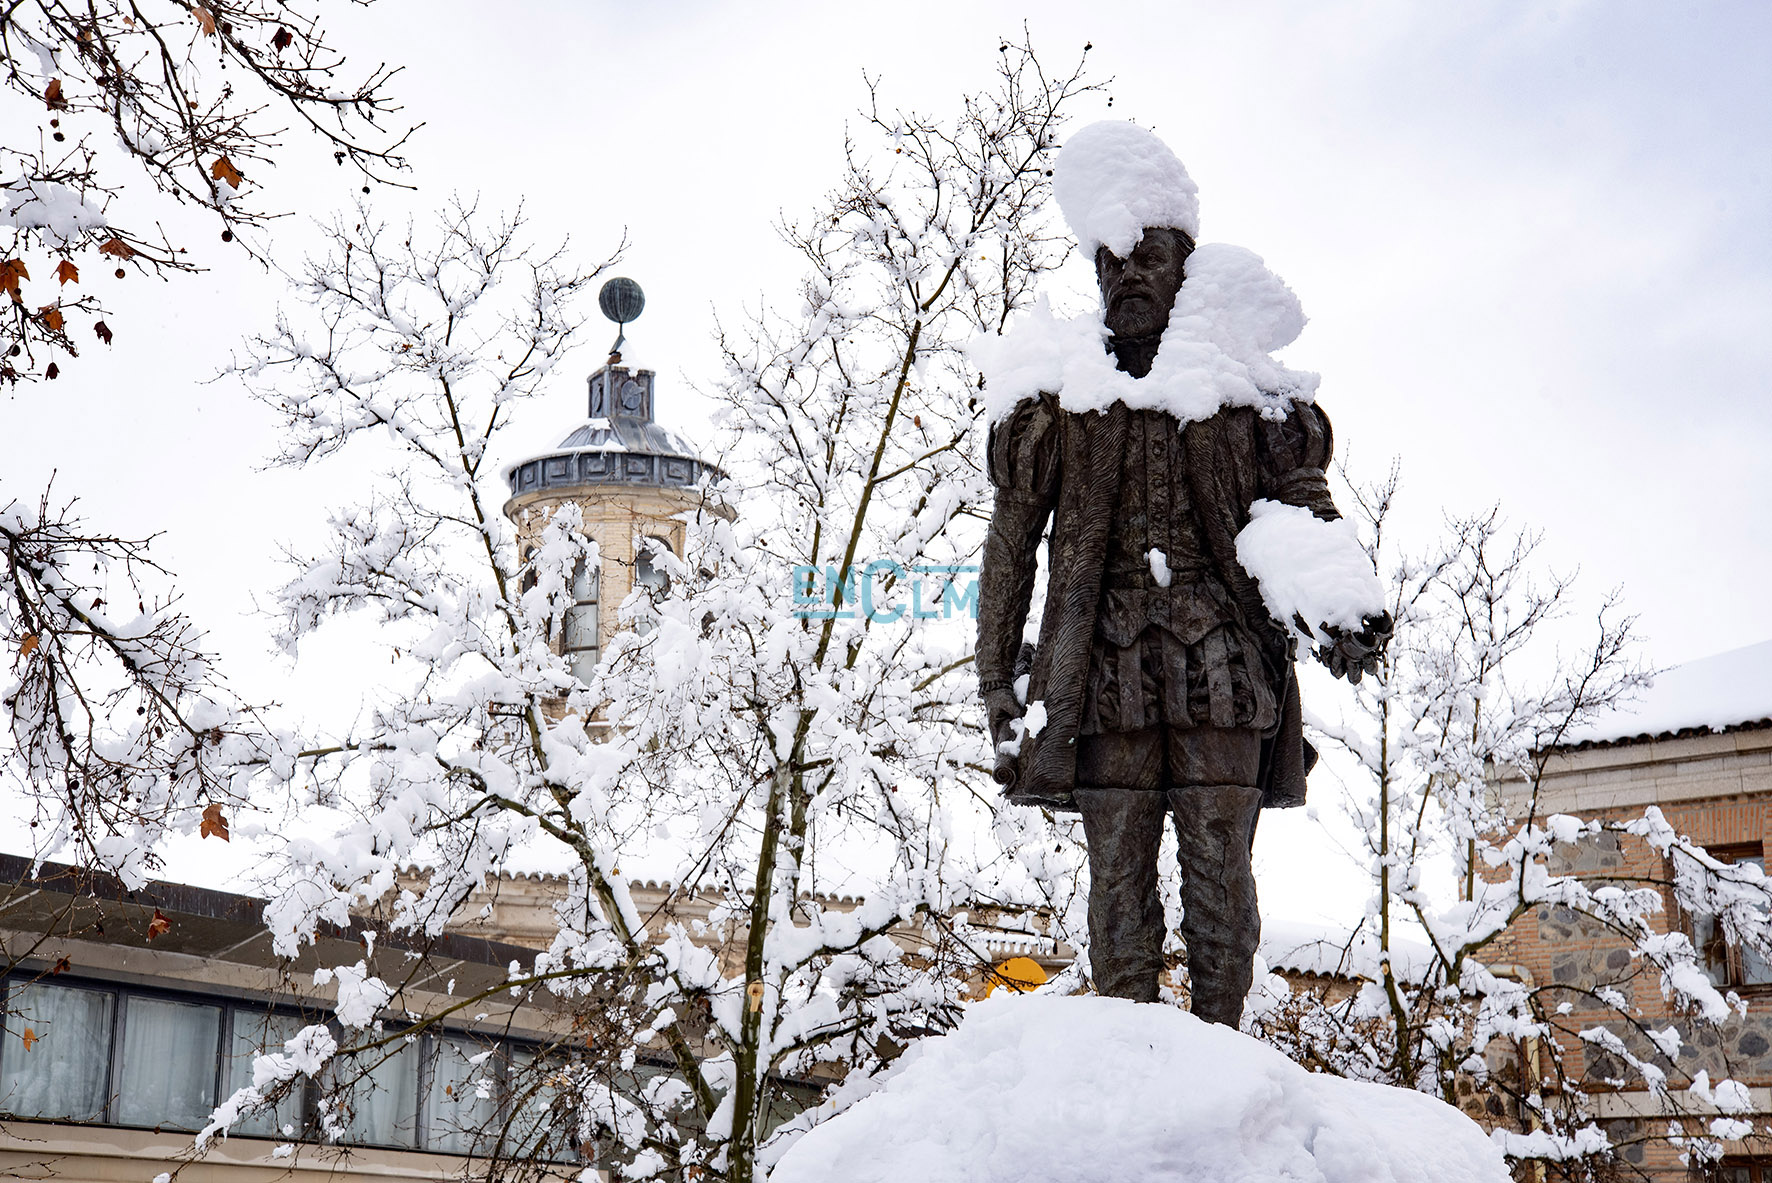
(1532, 240)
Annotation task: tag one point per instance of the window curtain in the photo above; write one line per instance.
(542, 1125)
(461, 1109)
(55, 1059)
(169, 1062)
(384, 1099)
(255, 1033)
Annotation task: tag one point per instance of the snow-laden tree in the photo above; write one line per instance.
(785, 714)
(193, 98)
(1451, 741)
(118, 731)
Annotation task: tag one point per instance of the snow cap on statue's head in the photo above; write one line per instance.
(1113, 180)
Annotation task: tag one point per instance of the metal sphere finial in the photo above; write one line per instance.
(621, 300)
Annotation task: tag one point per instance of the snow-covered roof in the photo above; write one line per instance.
(1721, 693)
(1334, 951)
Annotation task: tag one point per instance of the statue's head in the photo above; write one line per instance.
(1136, 212)
(1138, 291)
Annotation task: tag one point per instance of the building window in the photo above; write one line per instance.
(383, 1096)
(168, 1066)
(1742, 1170)
(56, 1059)
(580, 641)
(254, 1033)
(94, 1052)
(647, 573)
(461, 1097)
(543, 1123)
(1727, 964)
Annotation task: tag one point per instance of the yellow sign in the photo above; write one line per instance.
(1019, 974)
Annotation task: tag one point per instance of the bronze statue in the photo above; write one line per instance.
(1166, 692)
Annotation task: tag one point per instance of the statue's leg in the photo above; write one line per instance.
(1120, 798)
(1215, 805)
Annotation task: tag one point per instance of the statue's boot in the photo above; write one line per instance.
(1221, 923)
(1123, 828)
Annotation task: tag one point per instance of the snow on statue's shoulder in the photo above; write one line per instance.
(1231, 314)
(1100, 1089)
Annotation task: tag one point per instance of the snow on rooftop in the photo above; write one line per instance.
(1329, 951)
(1717, 692)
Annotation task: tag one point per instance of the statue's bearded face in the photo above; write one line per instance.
(1138, 291)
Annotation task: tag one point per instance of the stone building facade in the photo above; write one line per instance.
(1698, 747)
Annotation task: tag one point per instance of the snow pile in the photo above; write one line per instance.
(1230, 315)
(1716, 692)
(1113, 180)
(1309, 568)
(1039, 1088)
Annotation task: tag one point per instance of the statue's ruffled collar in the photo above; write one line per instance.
(1231, 314)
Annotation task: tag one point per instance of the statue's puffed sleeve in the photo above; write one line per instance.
(1023, 463)
(1293, 454)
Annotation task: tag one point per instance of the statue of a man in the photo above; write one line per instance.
(1164, 685)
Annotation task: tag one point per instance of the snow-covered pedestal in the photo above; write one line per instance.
(1078, 1090)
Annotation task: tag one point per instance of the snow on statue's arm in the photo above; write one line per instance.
(1317, 580)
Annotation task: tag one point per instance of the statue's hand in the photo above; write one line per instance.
(1353, 655)
(1001, 708)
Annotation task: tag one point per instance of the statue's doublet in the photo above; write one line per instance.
(1176, 655)
(1201, 652)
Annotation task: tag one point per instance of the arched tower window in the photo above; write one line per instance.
(646, 572)
(580, 641)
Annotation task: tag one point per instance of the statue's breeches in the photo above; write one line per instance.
(1146, 675)
(1203, 778)
(1168, 758)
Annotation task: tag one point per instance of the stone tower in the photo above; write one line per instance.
(631, 478)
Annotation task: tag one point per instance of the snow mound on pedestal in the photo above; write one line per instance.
(1085, 1089)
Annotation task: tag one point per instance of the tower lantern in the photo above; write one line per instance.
(631, 478)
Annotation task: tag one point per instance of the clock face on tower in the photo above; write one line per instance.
(630, 397)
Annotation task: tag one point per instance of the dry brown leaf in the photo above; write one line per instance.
(51, 316)
(223, 170)
(159, 925)
(205, 18)
(52, 371)
(213, 823)
(52, 96)
(282, 38)
(117, 248)
(29, 1037)
(62, 966)
(103, 330)
(29, 643)
(66, 272)
(11, 271)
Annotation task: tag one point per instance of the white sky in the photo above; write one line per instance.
(1532, 239)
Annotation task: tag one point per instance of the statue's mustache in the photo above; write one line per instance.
(1119, 299)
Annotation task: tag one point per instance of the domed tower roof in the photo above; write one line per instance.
(619, 444)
